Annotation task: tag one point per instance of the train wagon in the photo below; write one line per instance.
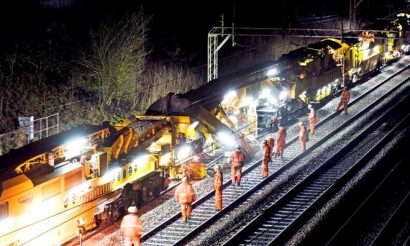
(52, 188)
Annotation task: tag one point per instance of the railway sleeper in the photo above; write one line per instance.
(316, 186)
(178, 229)
(323, 182)
(266, 231)
(309, 192)
(160, 241)
(302, 200)
(173, 235)
(293, 203)
(259, 238)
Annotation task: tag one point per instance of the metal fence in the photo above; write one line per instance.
(30, 130)
(46, 126)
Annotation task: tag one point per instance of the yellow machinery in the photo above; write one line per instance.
(78, 175)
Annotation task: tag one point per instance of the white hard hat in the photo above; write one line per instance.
(132, 209)
(310, 106)
(216, 167)
(184, 179)
(300, 123)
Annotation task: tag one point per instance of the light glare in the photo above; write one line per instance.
(184, 152)
(283, 95)
(226, 139)
(230, 95)
(272, 72)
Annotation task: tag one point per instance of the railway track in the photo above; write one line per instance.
(374, 215)
(386, 234)
(175, 232)
(283, 217)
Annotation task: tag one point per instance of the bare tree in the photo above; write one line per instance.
(116, 59)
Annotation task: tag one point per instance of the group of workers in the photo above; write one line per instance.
(185, 195)
(268, 143)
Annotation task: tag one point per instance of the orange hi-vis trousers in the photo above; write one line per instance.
(218, 199)
(265, 167)
(344, 104)
(135, 241)
(302, 143)
(186, 211)
(312, 123)
(236, 173)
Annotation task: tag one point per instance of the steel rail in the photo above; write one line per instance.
(368, 197)
(402, 209)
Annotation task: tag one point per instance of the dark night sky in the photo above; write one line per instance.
(188, 22)
(192, 20)
(180, 23)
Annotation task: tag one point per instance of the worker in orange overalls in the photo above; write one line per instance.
(167, 181)
(187, 171)
(344, 100)
(312, 119)
(280, 141)
(302, 136)
(218, 182)
(271, 143)
(185, 195)
(266, 156)
(131, 227)
(237, 160)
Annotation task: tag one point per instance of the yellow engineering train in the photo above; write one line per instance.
(73, 180)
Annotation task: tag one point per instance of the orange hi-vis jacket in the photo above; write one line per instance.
(132, 226)
(281, 136)
(218, 180)
(271, 142)
(266, 151)
(185, 194)
(345, 96)
(313, 115)
(187, 171)
(237, 158)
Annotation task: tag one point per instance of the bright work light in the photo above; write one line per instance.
(183, 152)
(272, 72)
(226, 139)
(140, 161)
(283, 95)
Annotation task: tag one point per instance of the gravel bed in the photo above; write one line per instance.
(153, 214)
(218, 232)
(352, 184)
